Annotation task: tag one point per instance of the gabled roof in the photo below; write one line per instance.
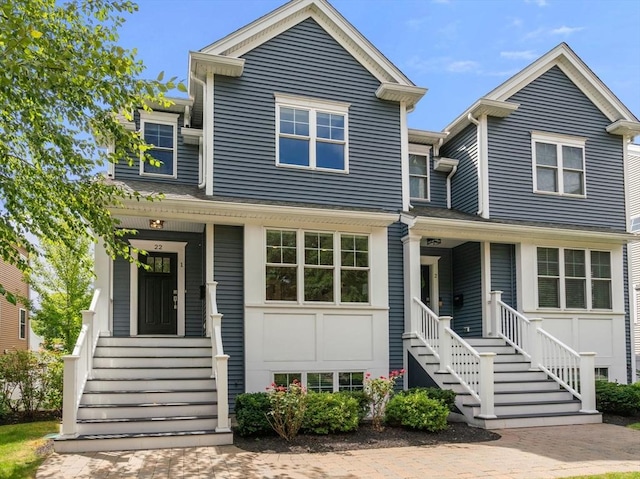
(290, 14)
(562, 56)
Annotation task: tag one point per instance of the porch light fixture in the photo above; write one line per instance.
(433, 241)
(156, 224)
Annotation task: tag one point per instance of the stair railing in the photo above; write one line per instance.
(78, 366)
(572, 370)
(472, 369)
(220, 360)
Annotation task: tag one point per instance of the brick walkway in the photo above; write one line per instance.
(545, 452)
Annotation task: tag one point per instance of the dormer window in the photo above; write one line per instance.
(558, 164)
(311, 133)
(159, 129)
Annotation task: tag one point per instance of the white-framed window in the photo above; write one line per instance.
(312, 133)
(635, 224)
(322, 381)
(602, 374)
(419, 177)
(160, 129)
(22, 327)
(316, 266)
(558, 164)
(574, 278)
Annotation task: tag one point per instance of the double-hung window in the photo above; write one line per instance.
(558, 164)
(312, 133)
(160, 130)
(312, 266)
(574, 278)
(419, 172)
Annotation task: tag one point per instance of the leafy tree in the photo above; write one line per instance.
(63, 77)
(64, 284)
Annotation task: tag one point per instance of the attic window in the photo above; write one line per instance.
(159, 129)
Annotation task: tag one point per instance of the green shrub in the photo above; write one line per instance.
(288, 406)
(364, 405)
(446, 396)
(330, 412)
(416, 410)
(251, 414)
(614, 398)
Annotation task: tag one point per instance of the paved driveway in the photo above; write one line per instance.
(544, 452)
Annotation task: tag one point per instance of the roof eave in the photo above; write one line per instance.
(484, 106)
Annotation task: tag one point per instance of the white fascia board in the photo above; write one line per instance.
(481, 231)
(484, 106)
(425, 137)
(278, 21)
(207, 211)
(202, 63)
(408, 94)
(177, 105)
(624, 128)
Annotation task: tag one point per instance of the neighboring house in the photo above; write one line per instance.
(634, 248)
(14, 318)
(307, 233)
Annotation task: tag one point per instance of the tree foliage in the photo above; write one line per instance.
(62, 80)
(64, 285)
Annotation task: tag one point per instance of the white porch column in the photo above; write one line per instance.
(103, 269)
(208, 270)
(485, 285)
(411, 258)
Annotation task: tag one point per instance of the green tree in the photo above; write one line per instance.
(64, 285)
(63, 77)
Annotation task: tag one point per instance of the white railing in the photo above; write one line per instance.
(572, 370)
(220, 360)
(78, 366)
(473, 370)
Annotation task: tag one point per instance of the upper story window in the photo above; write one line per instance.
(558, 164)
(635, 224)
(22, 327)
(160, 129)
(419, 187)
(574, 278)
(312, 133)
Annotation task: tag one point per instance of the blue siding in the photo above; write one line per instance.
(193, 279)
(228, 271)
(553, 104)
(464, 184)
(503, 272)
(396, 296)
(188, 165)
(467, 280)
(437, 188)
(445, 277)
(305, 61)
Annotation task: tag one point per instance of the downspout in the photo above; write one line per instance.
(202, 145)
(449, 176)
(478, 139)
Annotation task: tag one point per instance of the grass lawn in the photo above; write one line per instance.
(635, 425)
(611, 475)
(18, 445)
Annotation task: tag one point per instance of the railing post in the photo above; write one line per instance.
(487, 409)
(588, 382)
(444, 343)
(534, 343)
(69, 395)
(223, 393)
(87, 319)
(495, 315)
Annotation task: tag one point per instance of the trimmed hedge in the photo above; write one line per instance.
(251, 414)
(446, 396)
(364, 404)
(416, 410)
(330, 412)
(621, 399)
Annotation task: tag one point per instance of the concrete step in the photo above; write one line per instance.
(151, 351)
(531, 408)
(523, 385)
(149, 409)
(148, 396)
(522, 375)
(157, 342)
(152, 362)
(138, 441)
(511, 366)
(147, 425)
(156, 373)
(142, 384)
(537, 420)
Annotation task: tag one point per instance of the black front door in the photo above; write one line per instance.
(158, 294)
(425, 286)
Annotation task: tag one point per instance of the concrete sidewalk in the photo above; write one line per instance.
(544, 452)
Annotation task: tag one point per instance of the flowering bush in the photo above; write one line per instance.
(379, 390)
(288, 405)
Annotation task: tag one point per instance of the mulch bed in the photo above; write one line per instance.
(620, 420)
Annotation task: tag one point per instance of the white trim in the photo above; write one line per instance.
(421, 150)
(26, 329)
(208, 133)
(165, 247)
(435, 280)
(559, 141)
(313, 106)
(162, 118)
(485, 271)
(483, 160)
(626, 166)
(404, 158)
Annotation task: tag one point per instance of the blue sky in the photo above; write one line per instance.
(459, 49)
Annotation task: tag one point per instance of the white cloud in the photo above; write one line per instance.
(534, 33)
(442, 64)
(540, 3)
(565, 31)
(519, 55)
(516, 22)
(462, 66)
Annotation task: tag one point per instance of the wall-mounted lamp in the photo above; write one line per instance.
(156, 224)
(433, 241)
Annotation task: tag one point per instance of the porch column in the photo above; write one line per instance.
(208, 270)
(103, 269)
(485, 285)
(411, 258)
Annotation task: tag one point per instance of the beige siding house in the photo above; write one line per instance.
(14, 319)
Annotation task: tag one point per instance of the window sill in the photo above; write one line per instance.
(308, 306)
(159, 175)
(591, 312)
(563, 195)
(308, 168)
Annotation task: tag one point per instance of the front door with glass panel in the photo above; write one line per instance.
(158, 294)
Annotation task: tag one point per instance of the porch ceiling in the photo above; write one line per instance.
(142, 223)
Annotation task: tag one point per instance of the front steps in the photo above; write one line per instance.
(148, 393)
(524, 397)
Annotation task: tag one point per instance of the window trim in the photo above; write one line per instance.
(313, 106)
(22, 315)
(559, 141)
(161, 118)
(421, 150)
(563, 277)
(304, 379)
